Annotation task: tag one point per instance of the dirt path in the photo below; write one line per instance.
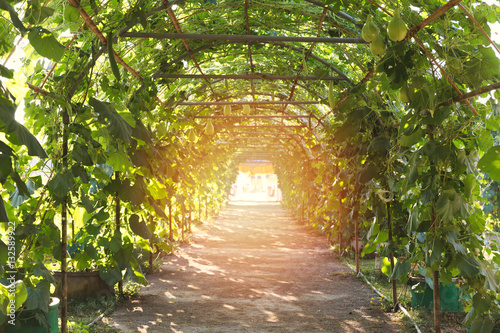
(254, 270)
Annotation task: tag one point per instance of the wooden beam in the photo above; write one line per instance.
(256, 116)
(258, 133)
(250, 103)
(243, 38)
(249, 77)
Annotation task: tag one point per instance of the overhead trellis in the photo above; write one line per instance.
(151, 97)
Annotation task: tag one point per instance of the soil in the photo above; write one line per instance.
(254, 269)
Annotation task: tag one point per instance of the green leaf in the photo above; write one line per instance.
(490, 163)
(480, 325)
(81, 155)
(119, 161)
(468, 266)
(491, 278)
(379, 145)
(5, 72)
(71, 17)
(61, 184)
(110, 275)
(452, 237)
(117, 126)
(18, 134)
(42, 271)
(124, 255)
(139, 227)
(5, 168)
(413, 221)
(450, 204)
(369, 172)
(39, 298)
(37, 14)
(410, 140)
(44, 42)
(21, 293)
(402, 268)
(115, 244)
(3, 212)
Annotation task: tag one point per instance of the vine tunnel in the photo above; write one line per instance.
(119, 117)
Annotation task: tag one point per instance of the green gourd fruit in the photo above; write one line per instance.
(227, 110)
(396, 30)
(403, 94)
(330, 95)
(378, 46)
(191, 135)
(246, 109)
(370, 31)
(209, 128)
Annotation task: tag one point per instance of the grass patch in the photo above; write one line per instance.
(81, 312)
(450, 321)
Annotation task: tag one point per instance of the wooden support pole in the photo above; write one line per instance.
(255, 116)
(340, 240)
(64, 232)
(249, 77)
(118, 224)
(170, 232)
(437, 305)
(251, 103)
(356, 239)
(391, 257)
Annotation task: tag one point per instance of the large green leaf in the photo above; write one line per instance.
(450, 204)
(402, 268)
(490, 163)
(3, 211)
(39, 298)
(110, 275)
(468, 265)
(61, 184)
(45, 44)
(19, 134)
(139, 227)
(117, 126)
(380, 144)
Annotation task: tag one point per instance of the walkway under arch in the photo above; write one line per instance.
(254, 269)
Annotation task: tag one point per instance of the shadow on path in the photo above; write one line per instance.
(254, 270)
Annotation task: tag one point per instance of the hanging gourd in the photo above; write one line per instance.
(378, 46)
(370, 31)
(403, 93)
(330, 95)
(246, 109)
(191, 134)
(396, 30)
(227, 110)
(209, 128)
